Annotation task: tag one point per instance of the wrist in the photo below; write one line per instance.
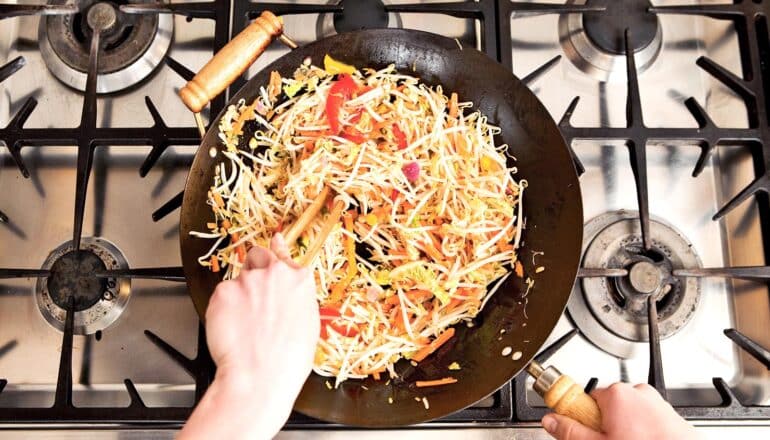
(256, 397)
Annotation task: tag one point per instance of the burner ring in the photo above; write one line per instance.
(612, 312)
(132, 47)
(98, 302)
(599, 57)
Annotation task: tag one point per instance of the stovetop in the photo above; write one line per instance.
(664, 142)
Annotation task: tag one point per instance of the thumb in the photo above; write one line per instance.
(564, 428)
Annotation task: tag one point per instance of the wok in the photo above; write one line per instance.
(552, 207)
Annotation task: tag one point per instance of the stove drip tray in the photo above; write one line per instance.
(612, 312)
(98, 301)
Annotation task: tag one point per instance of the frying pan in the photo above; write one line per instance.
(552, 207)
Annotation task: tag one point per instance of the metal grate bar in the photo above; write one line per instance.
(11, 67)
(713, 11)
(552, 8)
(179, 68)
(555, 346)
(637, 143)
(63, 395)
(742, 272)
(157, 148)
(762, 183)
(191, 10)
(23, 273)
(655, 376)
(136, 399)
(168, 207)
(757, 351)
(601, 272)
(253, 9)
(13, 10)
(540, 71)
(150, 273)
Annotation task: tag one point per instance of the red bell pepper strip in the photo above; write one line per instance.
(340, 91)
(400, 137)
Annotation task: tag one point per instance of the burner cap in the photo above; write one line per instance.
(607, 29)
(98, 301)
(612, 312)
(132, 44)
(72, 275)
(102, 16)
(595, 41)
(360, 14)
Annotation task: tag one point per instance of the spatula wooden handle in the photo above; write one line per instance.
(567, 398)
(231, 61)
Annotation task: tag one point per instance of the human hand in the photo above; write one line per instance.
(262, 328)
(628, 413)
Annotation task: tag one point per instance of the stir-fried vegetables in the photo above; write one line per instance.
(432, 217)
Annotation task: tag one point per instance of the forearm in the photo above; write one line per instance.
(236, 407)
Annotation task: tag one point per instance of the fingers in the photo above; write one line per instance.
(564, 428)
(281, 250)
(258, 258)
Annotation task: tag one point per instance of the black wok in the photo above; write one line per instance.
(553, 212)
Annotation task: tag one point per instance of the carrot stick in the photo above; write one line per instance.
(350, 250)
(453, 105)
(393, 300)
(433, 346)
(418, 295)
(241, 251)
(435, 383)
(214, 264)
(519, 269)
(218, 200)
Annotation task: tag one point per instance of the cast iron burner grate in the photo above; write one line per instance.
(510, 405)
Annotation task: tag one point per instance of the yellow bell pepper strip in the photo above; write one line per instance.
(334, 67)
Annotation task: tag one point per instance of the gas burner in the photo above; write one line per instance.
(357, 15)
(132, 44)
(98, 302)
(612, 312)
(595, 42)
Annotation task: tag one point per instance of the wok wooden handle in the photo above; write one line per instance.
(567, 398)
(231, 61)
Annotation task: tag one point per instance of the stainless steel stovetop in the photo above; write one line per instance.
(119, 205)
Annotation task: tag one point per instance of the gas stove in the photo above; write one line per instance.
(672, 144)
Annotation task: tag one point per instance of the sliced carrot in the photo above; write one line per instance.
(453, 105)
(419, 295)
(214, 263)
(433, 346)
(435, 383)
(350, 250)
(393, 300)
(246, 113)
(519, 269)
(226, 224)
(454, 303)
(274, 86)
(241, 251)
(218, 200)
(432, 251)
